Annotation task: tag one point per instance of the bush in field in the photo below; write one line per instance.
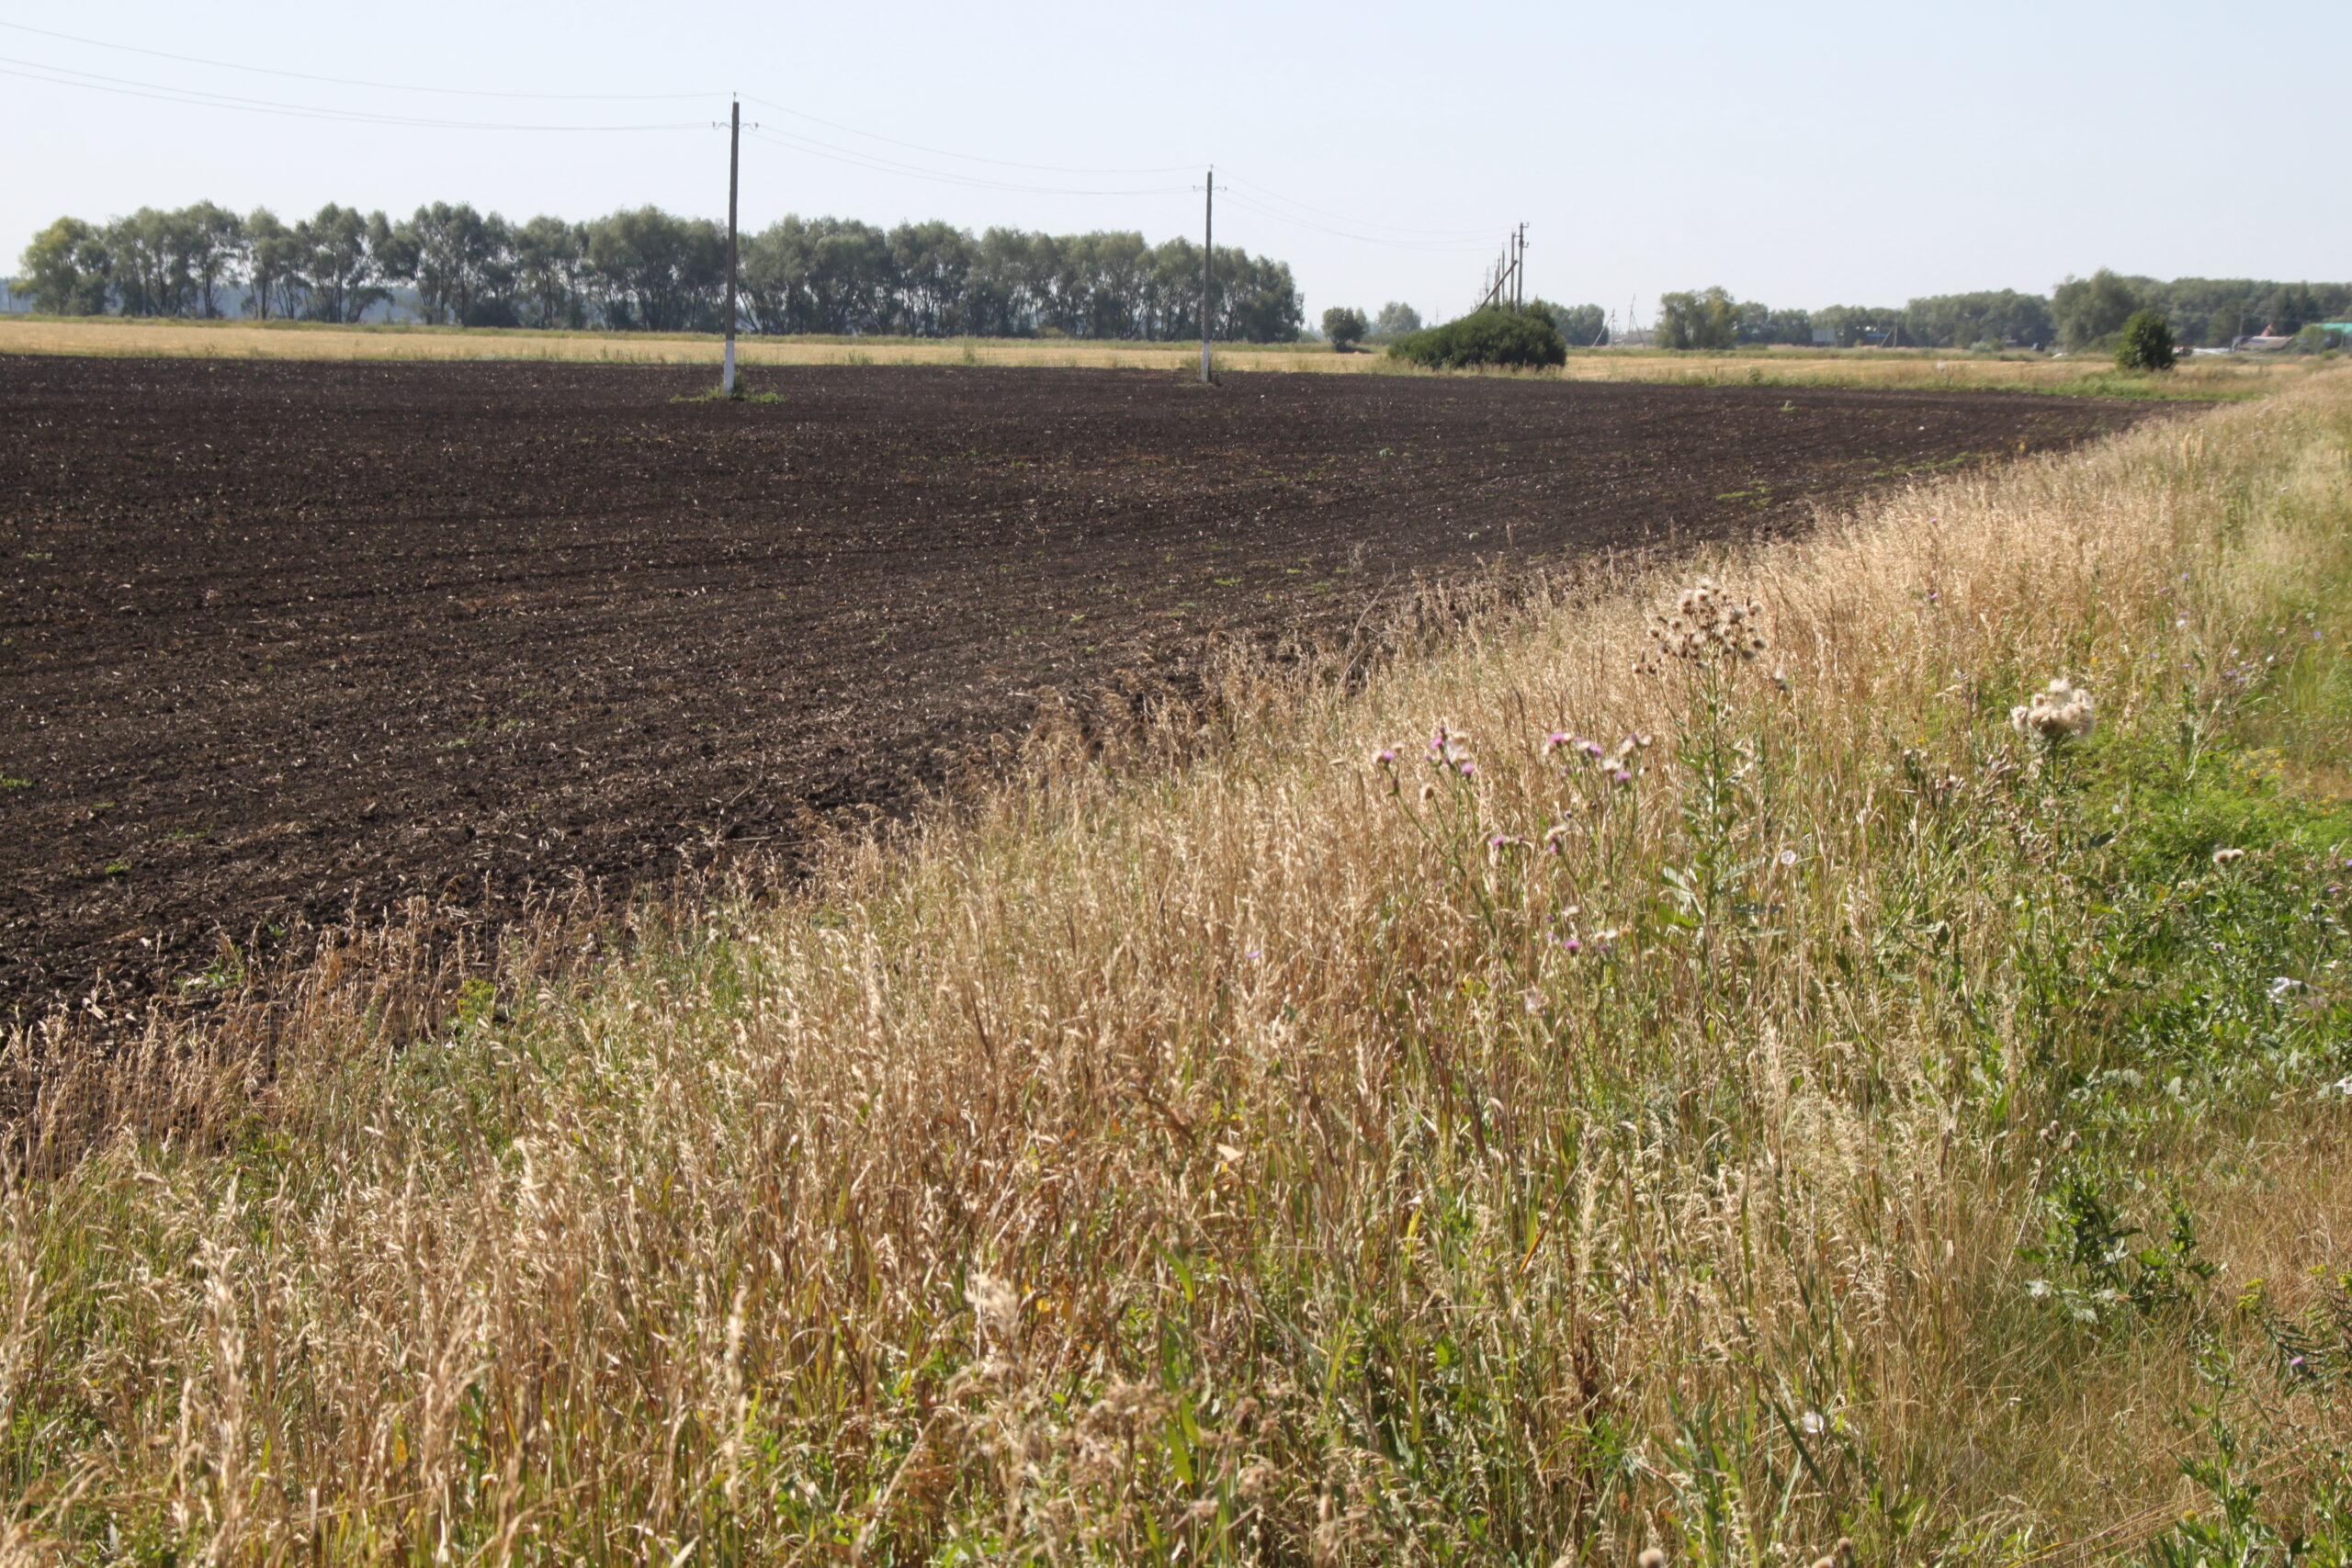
(1706, 319)
(1344, 327)
(1486, 337)
(2145, 343)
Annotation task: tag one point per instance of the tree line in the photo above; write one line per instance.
(2080, 313)
(2201, 311)
(644, 269)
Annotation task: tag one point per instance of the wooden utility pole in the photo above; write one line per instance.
(734, 170)
(1208, 263)
(1519, 272)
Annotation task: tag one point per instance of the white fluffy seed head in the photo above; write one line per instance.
(2057, 713)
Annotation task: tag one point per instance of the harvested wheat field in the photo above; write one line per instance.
(1707, 1068)
(292, 645)
(2236, 375)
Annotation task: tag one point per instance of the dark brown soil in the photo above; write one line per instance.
(281, 642)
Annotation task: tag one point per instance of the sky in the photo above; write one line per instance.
(1803, 154)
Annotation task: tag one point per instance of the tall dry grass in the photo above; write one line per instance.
(1282, 1154)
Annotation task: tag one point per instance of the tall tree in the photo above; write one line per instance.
(463, 263)
(658, 273)
(1580, 326)
(152, 272)
(1994, 318)
(70, 270)
(1852, 325)
(339, 267)
(931, 262)
(217, 254)
(273, 267)
(1344, 328)
(551, 273)
(2086, 310)
(646, 269)
(1708, 318)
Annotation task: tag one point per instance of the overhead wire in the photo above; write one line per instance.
(1273, 205)
(1429, 247)
(349, 81)
(795, 143)
(64, 76)
(1358, 222)
(964, 157)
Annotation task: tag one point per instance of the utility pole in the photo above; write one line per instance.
(734, 170)
(1519, 273)
(1208, 262)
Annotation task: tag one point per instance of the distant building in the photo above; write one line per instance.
(1824, 337)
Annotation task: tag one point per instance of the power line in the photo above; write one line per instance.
(352, 82)
(1429, 247)
(61, 76)
(878, 162)
(1358, 222)
(874, 163)
(1433, 241)
(964, 157)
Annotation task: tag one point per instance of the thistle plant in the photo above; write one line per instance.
(1710, 639)
(1708, 627)
(2060, 713)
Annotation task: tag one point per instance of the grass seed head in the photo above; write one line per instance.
(1708, 626)
(2059, 713)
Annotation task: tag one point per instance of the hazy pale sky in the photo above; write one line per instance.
(1801, 154)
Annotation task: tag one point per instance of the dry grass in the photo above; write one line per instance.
(282, 340)
(302, 340)
(1231, 1157)
(2203, 378)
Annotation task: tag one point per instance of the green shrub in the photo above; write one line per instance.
(2145, 342)
(1486, 337)
(1344, 327)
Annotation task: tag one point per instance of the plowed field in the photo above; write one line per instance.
(280, 642)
